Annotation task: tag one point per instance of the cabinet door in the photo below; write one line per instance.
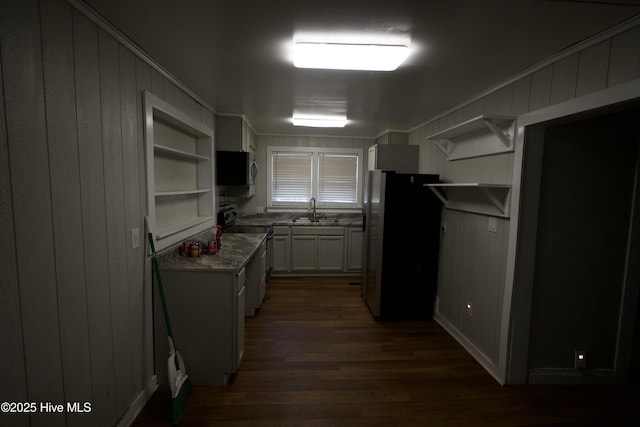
(372, 158)
(354, 251)
(281, 257)
(263, 274)
(331, 253)
(252, 286)
(303, 253)
(240, 301)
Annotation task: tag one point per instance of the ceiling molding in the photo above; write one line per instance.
(588, 42)
(100, 21)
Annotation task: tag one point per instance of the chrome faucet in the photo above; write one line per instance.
(312, 205)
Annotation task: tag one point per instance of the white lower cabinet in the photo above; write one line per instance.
(238, 327)
(256, 280)
(354, 249)
(281, 250)
(304, 253)
(206, 309)
(330, 253)
(316, 250)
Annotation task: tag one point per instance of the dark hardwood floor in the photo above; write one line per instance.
(314, 356)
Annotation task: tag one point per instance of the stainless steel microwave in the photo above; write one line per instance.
(235, 168)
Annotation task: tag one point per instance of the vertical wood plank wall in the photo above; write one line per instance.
(76, 312)
(467, 242)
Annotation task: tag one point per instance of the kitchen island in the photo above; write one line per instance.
(206, 302)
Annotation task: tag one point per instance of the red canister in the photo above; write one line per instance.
(186, 248)
(219, 237)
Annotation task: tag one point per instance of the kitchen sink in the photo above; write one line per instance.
(321, 220)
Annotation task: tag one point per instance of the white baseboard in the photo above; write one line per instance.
(477, 354)
(136, 406)
(573, 376)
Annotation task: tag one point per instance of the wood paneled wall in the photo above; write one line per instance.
(76, 314)
(473, 259)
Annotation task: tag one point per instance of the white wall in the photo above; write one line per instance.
(76, 307)
(605, 61)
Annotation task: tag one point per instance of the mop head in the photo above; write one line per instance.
(181, 387)
(179, 401)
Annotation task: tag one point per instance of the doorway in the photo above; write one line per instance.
(585, 210)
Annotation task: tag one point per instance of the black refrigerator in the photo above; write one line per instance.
(400, 245)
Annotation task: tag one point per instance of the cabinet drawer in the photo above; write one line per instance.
(281, 230)
(317, 231)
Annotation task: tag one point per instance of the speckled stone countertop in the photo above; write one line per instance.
(237, 250)
(301, 219)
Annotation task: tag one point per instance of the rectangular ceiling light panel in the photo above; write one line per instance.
(342, 56)
(320, 121)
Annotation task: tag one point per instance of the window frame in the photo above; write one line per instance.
(315, 151)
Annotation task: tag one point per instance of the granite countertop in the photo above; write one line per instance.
(237, 249)
(301, 219)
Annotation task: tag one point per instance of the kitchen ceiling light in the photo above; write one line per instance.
(320, 121)
(340, 56)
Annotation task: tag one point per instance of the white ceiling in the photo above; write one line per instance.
(234, 54)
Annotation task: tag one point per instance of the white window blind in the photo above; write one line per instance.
(337, 179)
(331, 176)
(291, 179)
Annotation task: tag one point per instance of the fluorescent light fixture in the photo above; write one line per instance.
(320, 121)
(344, 56)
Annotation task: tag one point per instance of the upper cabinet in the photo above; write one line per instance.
(233, 133)
(180, 171)
(398, 158)
(481, 136)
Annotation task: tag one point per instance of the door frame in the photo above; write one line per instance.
(516, 315)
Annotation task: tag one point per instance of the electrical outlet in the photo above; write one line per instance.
(580, 359)
(493, 224)
(135, 238)
(469, 308)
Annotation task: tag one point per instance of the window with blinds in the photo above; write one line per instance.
(300, 173)
(291, 177)
(337, 180)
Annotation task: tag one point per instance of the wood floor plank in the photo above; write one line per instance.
(314, 356)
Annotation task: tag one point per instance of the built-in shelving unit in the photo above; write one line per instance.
(179, 153)
(480, 136)
(180, 171)
(485, 199)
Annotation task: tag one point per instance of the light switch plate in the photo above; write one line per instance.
(135, 238)
(493, 224)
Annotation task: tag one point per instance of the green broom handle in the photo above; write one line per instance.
(156, 269)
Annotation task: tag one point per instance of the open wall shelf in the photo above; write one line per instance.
(485, 199)
(179, 153)
(480, 136)
(180, 171)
